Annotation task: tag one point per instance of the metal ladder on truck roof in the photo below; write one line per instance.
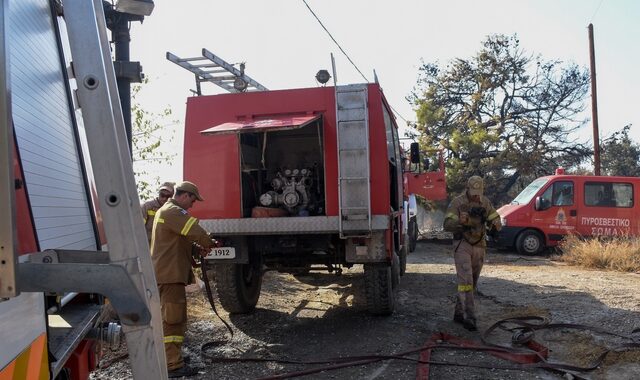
(354, 187)
(209, 71)
(125, 273)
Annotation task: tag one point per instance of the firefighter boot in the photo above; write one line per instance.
(470, 324)
(458, 318)
(184, 371)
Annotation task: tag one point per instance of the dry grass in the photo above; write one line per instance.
(621, 254)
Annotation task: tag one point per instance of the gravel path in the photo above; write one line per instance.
(322, 316)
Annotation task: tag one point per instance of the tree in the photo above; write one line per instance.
(620, 155)
(148, 135)
(503, 114)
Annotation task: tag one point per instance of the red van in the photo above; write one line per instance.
(553, 206)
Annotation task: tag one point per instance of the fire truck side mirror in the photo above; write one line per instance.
(415, 153)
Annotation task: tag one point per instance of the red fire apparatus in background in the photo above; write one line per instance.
(430, 185)
(555, 206)
(296, 180)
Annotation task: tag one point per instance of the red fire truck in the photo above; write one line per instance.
(554, 206)
(57, 125)
(298, 180)
(430, 185)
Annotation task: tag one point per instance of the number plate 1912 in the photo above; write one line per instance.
(221, 253)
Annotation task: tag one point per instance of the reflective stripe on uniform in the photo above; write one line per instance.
(151, 212)
(188, 225)
(174, 339)
(465, 288)
(451, 215)
(493, 215)
(156, 221)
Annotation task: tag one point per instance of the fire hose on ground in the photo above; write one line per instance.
(531, 355)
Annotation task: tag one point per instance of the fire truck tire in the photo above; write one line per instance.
(529, 242)
(238, 287)
(380, 293)
(404, 251)
(413, 234)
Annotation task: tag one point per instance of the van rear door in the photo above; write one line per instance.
(608, 208)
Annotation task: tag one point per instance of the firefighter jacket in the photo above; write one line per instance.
(149, 209)
(480, 214)
(174, 231)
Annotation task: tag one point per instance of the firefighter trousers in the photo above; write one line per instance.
(469, 260)
(173, 303)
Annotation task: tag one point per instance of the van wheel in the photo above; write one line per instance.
(529, 242)
(238, 286)
(379, 289)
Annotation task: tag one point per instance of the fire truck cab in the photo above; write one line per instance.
(554, 206)
(298, 180)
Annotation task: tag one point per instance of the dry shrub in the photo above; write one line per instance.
(620, 254)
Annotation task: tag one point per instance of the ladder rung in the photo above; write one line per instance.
(356, 217)
(192, 59)
(210, 65)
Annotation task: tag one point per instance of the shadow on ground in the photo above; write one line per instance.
(323, 315)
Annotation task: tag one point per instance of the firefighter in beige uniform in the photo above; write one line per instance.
(174, 233)
(468, 217)
(150, 208)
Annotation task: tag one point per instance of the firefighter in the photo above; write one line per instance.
(174, 234)
(150, 208)
(468, 217)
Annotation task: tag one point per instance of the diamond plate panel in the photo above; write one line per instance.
(281, 226)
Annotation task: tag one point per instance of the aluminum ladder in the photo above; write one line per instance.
(354, 187)
(124, 273)
(209, 68)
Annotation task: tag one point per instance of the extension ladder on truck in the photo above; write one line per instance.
(209, 68)
(354, 188)
(125, 273)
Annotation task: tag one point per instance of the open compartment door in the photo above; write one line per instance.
(275, 123)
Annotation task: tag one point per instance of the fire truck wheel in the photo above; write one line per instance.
(413, 234)
(529, 242)
(404, 251)
(379, 289)
(238, 287)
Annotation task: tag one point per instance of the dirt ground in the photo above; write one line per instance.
(324, 316)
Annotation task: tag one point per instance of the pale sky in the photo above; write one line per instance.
(284, 46)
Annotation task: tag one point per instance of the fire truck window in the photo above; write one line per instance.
(388, 126)
(563, 193)
(608, 194)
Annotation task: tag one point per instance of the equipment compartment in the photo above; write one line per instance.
(283, 172)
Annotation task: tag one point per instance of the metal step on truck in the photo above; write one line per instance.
(296, 180)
